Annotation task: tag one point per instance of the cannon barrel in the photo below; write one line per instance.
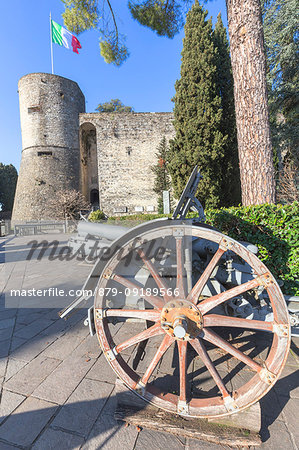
(101, 230)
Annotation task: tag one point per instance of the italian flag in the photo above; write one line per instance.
(62, 36)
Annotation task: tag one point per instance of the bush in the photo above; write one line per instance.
(273, 228)
(96, 216)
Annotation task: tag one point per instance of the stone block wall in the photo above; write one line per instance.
(127, 146)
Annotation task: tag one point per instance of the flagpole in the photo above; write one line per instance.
(51, 44)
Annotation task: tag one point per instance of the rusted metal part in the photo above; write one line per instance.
(181, 319)
(193, 327)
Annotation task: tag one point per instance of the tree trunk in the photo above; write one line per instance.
(251, 102)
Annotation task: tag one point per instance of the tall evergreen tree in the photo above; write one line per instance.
(248, 65)
(162, 178)
(197, 112)
(281, 42)
(230, 175)
(8, 182)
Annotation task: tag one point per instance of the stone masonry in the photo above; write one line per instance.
(126, 149)
(62, 145)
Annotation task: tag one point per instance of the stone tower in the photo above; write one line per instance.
(49, 110)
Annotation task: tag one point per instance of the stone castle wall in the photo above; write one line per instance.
(49, 110)
(126, 147)
(65, 148)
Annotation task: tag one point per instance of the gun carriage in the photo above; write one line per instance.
(175, 301)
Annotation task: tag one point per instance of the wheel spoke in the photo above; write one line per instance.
(198, 287)
(216, 320)
(156, 302)
(211, 302)
(160, 282)
(165, 344)
(215, 339)
(199, 347)
(152, 331)
(180, 263)
(182, 346)
(146, 314)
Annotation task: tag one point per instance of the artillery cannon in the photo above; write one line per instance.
(182, 299)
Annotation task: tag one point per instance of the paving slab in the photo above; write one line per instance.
(57, 439)
(275, 435)
(4, 348)
(102, 371)
(28, 317)
(270, 406)
(3, 364)
(9, 402)
(8, 313)
(288, 384)
(6, 333)
(63, 380)
(110, 435)
(5, 323)
(196, 444)
(7, 446)
(13, 367)
(81, 410)
(32, 375)
(29, 349)
(16, 342)
(25, 424)
(61, 348)
(290, 414)
(156, 440)
(34, 328)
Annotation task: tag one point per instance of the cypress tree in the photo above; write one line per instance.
(197, 112)
(230, 174)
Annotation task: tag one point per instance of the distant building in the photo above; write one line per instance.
(107, 156)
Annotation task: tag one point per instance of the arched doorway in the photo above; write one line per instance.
(94, 199)
(89, 182)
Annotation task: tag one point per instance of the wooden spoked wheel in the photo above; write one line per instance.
(154, 289)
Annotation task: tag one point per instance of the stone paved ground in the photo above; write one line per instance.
(57, 391)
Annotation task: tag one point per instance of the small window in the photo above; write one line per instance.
(44, 153)
(33, 109)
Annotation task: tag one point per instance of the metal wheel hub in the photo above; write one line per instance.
(181, 319)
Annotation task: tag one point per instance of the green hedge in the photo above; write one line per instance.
(273, 228)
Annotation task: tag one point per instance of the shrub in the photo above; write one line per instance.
(274, 229)
(96, 216)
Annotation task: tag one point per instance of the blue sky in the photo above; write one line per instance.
(145, 81)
